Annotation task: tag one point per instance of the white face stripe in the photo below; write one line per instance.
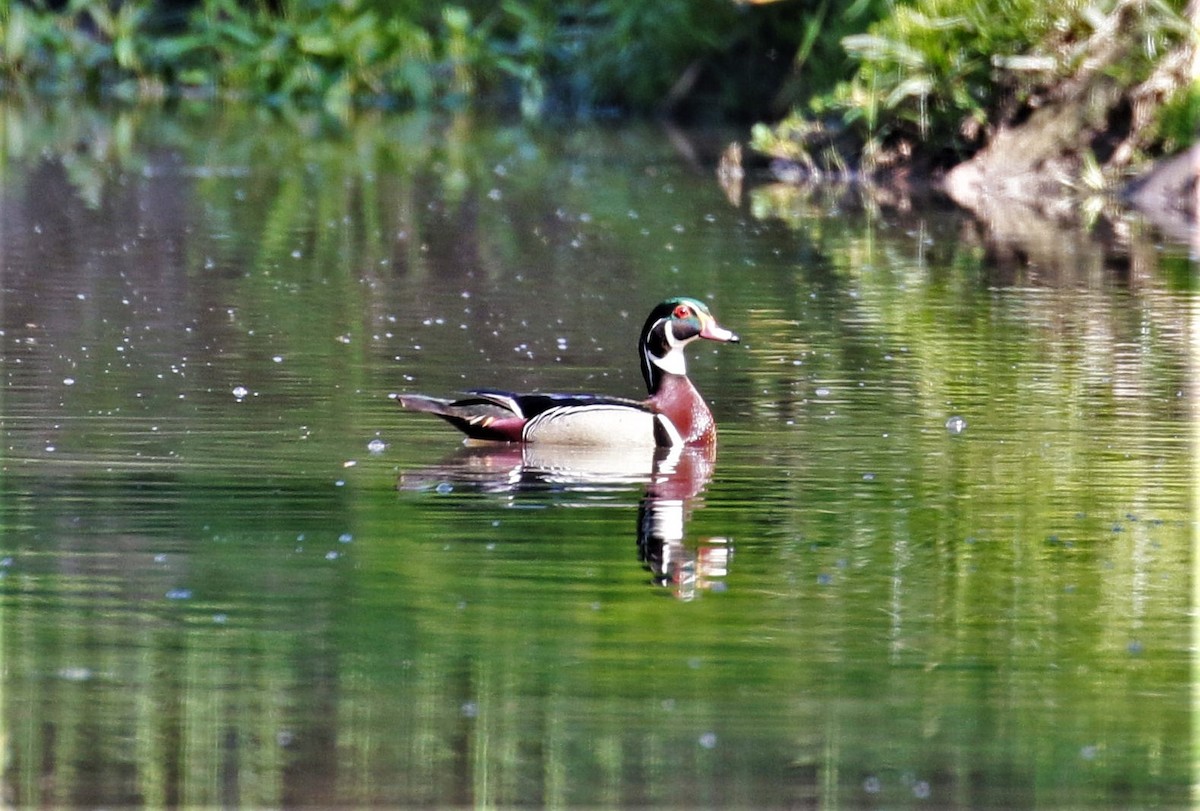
(674, 361)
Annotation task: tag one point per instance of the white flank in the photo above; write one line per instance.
(599, 424)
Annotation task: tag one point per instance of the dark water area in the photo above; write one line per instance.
(941, 557)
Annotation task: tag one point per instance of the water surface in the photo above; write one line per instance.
(941, 556)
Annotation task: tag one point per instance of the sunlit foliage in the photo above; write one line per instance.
(938, 76)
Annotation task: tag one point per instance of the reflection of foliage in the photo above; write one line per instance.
(1009, 603)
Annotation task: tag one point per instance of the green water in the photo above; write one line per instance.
(942, 557)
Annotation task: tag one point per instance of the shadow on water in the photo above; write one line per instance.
(671, 480)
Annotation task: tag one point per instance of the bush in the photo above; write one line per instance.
(938, 76)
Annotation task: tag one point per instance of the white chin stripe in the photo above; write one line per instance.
(673, 362)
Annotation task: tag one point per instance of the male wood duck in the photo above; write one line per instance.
(673, 415)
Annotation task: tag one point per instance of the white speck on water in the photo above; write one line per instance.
(444, 488)
(956, 425)
(179, 594)
(345, 537)
(332, 555)
(75, 673)
(494, 194)
(708, 740)
(377, 445)
(240, 392)
(822, 392)
(296, 254)
(340, 483)
(349, 463)
(470, 709)
(68, 381)
(277, 358)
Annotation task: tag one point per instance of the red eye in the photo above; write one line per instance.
(683, 311)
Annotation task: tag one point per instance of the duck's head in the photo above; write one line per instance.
(670, 327)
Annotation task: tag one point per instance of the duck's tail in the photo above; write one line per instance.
(477, 417)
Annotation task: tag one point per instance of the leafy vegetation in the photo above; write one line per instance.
(937, 77)
(574, 57)
(877, 83)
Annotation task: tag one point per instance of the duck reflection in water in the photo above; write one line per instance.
(672, 478)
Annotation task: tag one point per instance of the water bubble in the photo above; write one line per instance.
(240, 392)
(469, 709)
(708, 740)
(68, 381)
(345, 537)
(956, 425)
(179, 594)
(331, 555)
(444, 488)
(377, 445)
(822, 392)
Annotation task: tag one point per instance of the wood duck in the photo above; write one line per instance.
(673, 415)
